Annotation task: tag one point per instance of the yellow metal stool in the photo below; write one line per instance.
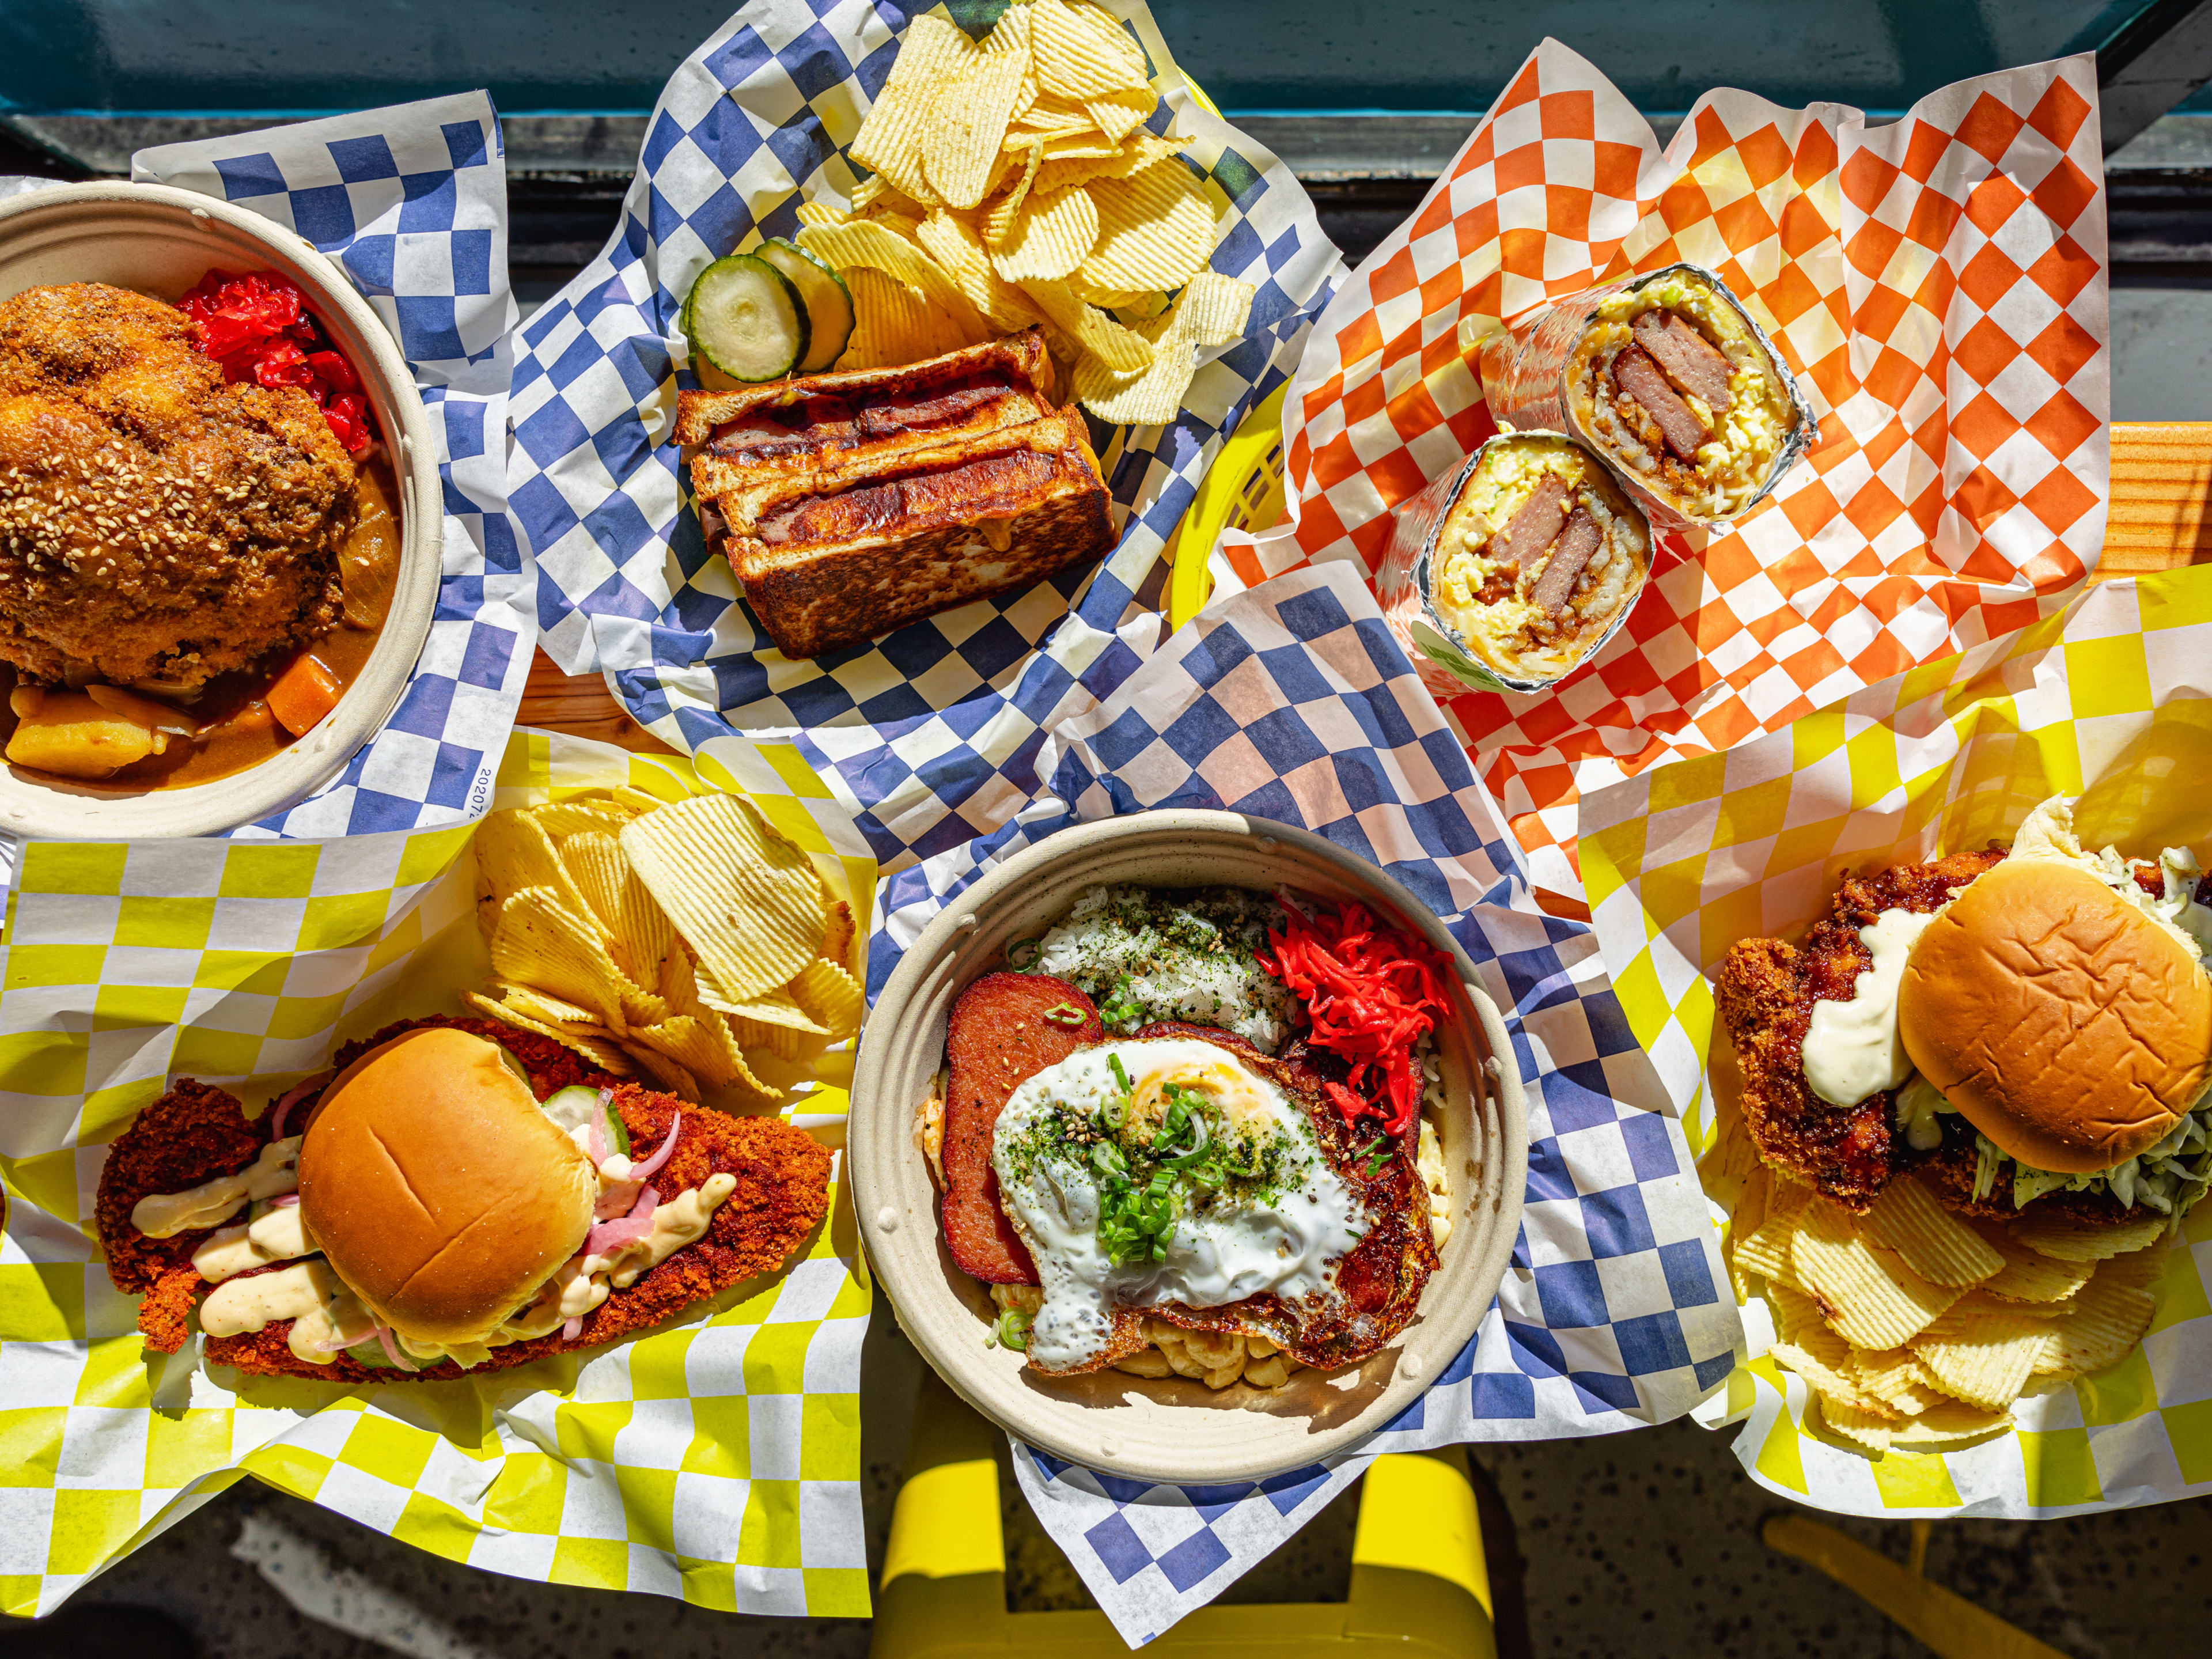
(1419, 1584)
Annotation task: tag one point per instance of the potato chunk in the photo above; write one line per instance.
(68, 735)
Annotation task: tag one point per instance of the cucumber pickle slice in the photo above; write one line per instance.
(829, 303)
(746, 318)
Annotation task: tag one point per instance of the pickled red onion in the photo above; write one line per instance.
(292, 1098)
(392, 1349)
(283, 1200)
(573, 1329)
(595, 1138)
(641, 1171)
(612, 1234)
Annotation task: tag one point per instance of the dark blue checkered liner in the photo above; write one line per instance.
(1292, 701)
(412, 201)
(950, 707)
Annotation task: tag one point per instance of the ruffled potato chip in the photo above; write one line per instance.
(1980, 1355)
(890, 138)
(1081, 52)
(746, 900)
(1935, 1243)
(832, 996)
(1155, 229)
(1051, 236)
(967, 117)
(1873, 1298)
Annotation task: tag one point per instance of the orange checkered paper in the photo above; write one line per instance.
(1938, 285)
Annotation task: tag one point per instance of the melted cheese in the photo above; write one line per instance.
(164, 1215)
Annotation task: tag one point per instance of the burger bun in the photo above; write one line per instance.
(439, 1191)
(2062, 1022)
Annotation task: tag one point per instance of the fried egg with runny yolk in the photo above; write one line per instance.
(1141, 1172)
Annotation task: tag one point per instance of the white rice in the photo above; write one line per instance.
(1145, 954)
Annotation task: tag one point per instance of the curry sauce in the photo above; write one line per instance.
(231, 724)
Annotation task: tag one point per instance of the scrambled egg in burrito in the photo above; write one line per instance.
(1538, 556)
(1671, 384)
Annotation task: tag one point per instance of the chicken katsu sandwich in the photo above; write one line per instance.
(456, 1197)
(2029, 1028)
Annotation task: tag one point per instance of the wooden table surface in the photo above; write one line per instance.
(2161, 485)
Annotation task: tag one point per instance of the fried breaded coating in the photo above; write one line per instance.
(156, 523)
(551, 1067)
(781, 1196)
(190, 1134)
(1766, 993)
(165, 1314)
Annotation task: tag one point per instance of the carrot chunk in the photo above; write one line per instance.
(303, 694)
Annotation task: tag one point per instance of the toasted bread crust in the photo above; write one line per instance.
(1020, 357)
(1008, 512)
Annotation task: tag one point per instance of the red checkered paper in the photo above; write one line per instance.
(1938, 285)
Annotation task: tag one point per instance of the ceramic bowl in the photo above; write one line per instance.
(1173, 1430)
(161, 241)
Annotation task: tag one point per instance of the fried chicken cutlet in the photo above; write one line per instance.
(156, 523)
(1766, 993)
(196, 1133)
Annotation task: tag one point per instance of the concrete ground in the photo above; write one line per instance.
(1643, 1543)
(2162, 351)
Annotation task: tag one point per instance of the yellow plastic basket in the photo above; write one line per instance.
(1244, 489)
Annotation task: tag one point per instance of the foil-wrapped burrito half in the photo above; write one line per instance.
(1669, 379)
(1510, 574)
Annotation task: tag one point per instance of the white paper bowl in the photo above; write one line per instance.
(1175, 1429)
(161, 241)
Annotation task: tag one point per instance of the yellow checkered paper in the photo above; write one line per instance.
(2110, 700)
(717, 1460)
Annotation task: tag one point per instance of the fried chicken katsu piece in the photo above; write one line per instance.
(191, 1134)
(194, 1133)
(782, 1194)
(1767, 990)
(155, 522)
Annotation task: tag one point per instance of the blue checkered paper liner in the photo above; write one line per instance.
(411, 202)
(751, 125)
(1292, 701)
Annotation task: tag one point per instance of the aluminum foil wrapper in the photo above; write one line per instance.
(1406, 589)
(1525, 381)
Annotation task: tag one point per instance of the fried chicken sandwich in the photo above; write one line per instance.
(2027, 1027)
(456, 1197)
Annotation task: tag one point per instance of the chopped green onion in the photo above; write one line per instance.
(1064, 1013)
(1116, 1112)
(1201, 1138)
(1030, 945)
(1114, 1065)
(1106, 1158)
(1014, 1329)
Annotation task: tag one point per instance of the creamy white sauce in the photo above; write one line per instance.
(275, 1234)
(340, 1323)
(1852, 1049)
(164, 1215)
(1288, 1245)
(240, 1306)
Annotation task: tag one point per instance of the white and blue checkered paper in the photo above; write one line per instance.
(1292, 701)
(752, 124)
(411, 203)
